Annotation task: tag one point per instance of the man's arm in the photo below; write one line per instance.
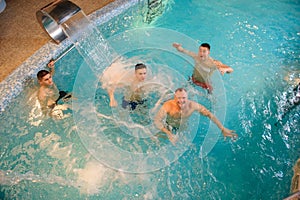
(226, 132)
(222, 67)
(185, 51)
(112, 100)
(158, 122)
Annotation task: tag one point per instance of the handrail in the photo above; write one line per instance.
(64, 53)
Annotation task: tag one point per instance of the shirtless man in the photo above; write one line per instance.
(204, 65)
(178, 110)
(48, 94)
(134, 94)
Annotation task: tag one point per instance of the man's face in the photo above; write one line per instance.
(203, 53)
(46, 80)
(141, 74)
(181, 98)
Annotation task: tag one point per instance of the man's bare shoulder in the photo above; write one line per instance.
(169, 105)
(192, 104)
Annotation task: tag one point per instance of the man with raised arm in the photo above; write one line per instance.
(176, 112)
(204, 65)
(48, 94)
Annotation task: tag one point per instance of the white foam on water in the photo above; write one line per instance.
(35, 116)
(92, 177)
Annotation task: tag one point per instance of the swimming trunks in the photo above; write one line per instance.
(63, 95)
(132, 104)
(170, 127)
(206, 86)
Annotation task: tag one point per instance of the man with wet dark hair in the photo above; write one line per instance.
(140, 66)
(206, 45)
(133, 96)
(204, 65)
(48, 94)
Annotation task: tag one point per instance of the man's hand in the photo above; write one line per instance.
(178, 47)
(51, 64)
(225, 70)
(222, 67)
(229, 133)
(173, 139)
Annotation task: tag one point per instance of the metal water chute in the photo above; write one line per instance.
(53, 15)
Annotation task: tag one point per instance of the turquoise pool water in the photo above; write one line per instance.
(49, 159)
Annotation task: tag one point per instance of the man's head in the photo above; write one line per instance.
(44, 77)
(204, 51)
(181, 97)
(140, 72)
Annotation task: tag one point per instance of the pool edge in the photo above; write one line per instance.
(14, 83)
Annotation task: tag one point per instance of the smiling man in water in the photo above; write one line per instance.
(178, 110)
(204, 65)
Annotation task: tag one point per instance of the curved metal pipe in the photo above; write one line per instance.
(53, 15)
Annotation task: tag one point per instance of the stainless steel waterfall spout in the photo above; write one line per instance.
(53, 15)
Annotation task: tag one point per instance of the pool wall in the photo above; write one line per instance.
(15, 82)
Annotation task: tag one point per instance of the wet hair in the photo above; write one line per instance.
(205, 45)
(140, 66)
(41, 74)
(180, 90)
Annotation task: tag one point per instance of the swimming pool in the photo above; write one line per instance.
(49, 159)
